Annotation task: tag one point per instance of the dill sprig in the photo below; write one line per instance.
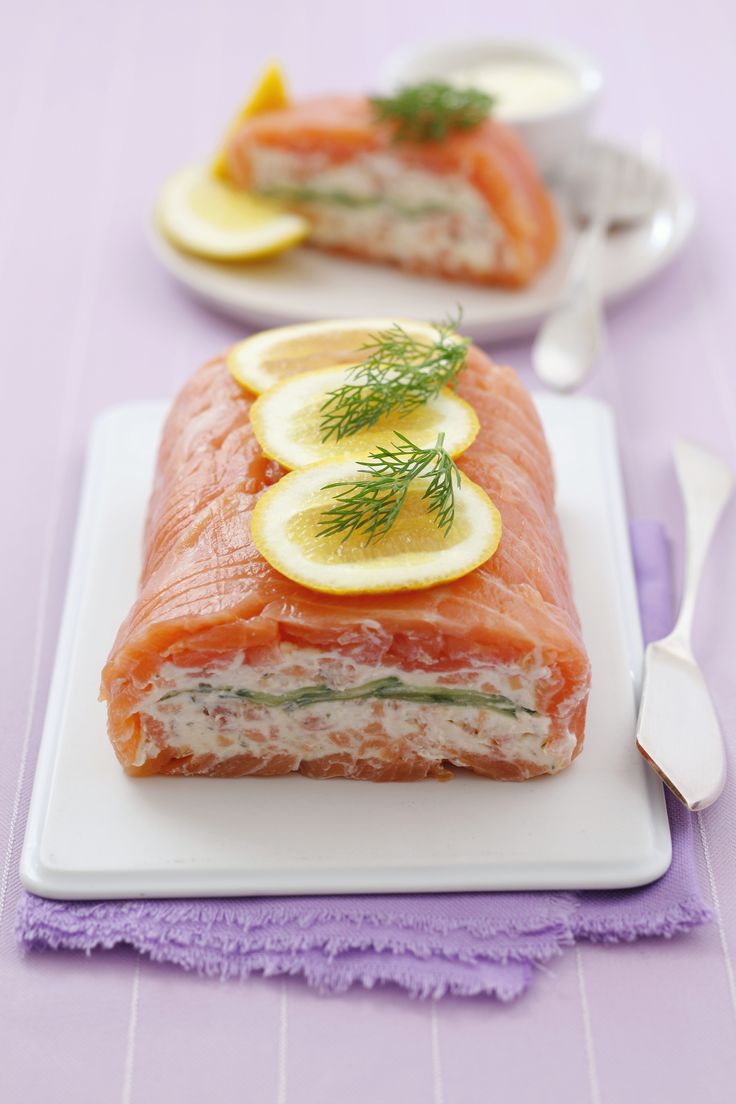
(428, 112)
(368, 506)
(399, 373)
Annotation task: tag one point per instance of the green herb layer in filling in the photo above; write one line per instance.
(386, 689)
(347, 199)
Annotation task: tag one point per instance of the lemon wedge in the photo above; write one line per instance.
(213, 219)
(413, 555)
(267, 358)
(269, 95)
(286, 421)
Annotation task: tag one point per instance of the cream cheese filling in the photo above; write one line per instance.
(211, 712)
(378, 205)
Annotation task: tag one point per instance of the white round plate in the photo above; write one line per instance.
(306, 284)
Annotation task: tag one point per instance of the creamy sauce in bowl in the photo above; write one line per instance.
(520, 86)
(547, 93)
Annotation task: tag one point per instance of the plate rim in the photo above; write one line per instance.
(199, 276)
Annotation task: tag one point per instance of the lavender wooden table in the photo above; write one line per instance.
(97, 102)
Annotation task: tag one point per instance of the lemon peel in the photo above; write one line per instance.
(265, 359)
(414, 555)
(269, 94)
(286, 420)
(213, 219)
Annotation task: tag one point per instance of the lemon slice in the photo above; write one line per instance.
(268, 95)
(286, 421)
(266, 358)
(413, 555)
(213, 219)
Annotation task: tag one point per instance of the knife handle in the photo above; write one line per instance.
(706, 484)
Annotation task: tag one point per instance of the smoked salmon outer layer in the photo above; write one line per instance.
(470, 207)
(216, 667)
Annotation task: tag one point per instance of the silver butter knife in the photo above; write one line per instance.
(678, 731)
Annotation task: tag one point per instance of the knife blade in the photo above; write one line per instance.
(678, 731)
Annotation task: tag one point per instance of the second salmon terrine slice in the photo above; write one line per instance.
(470, 206)
(225, 667)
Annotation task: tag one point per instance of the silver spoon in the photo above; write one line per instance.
(608, 188)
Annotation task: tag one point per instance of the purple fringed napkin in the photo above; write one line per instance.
(463, 943)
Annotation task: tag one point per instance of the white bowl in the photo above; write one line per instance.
(551, 90)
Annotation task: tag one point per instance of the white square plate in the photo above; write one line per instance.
(94, 833)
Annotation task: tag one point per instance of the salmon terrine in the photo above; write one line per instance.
(469, 207)
(225, 667)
